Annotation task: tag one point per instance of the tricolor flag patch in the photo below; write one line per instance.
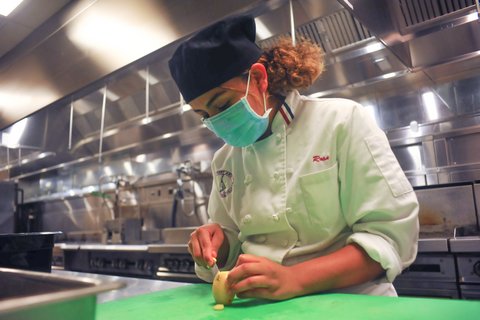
(286, 113)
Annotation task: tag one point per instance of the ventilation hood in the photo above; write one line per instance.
(422, 33)
(372, 47)
(87, 40)
(391, 44)
(436, 40)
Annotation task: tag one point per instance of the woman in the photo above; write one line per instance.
(307, 195)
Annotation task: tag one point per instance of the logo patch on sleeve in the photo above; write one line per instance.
(224, 182)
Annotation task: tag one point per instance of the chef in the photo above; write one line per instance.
(307, 195)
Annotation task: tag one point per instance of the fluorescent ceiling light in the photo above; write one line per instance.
(373, 47)
(152, 80)
(11, 139)
(112, 96)
(262, 31)
(108, 171)
(348, 4)
(128, 167)
(7, 6)
(389, 75)
(416, 157)
(141, 158)
(146, 120)
(430, 105)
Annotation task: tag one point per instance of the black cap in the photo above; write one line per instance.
(214, 55)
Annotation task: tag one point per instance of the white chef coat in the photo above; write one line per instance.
(324, 178)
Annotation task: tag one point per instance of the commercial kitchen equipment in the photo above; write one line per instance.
(11, 199)
(466, 248)
(30, 295)
(158, 261)
(448, 260)
(27, 251)
(167, 210)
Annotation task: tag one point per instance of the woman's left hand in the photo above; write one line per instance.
(258, 277)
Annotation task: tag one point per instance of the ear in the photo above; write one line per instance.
(259, 73)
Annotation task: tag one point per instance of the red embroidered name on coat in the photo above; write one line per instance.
(320, 158)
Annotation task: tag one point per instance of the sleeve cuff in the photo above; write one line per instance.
(235, 247)
(379, 250)
(204, 273)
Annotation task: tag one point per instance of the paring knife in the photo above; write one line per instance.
(214, 268)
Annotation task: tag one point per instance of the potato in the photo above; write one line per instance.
(218, 307)
(220, 290)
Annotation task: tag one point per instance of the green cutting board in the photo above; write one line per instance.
(196, 302)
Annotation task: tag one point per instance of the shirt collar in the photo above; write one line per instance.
(286, 113)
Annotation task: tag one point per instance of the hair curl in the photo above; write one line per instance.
(292, 67)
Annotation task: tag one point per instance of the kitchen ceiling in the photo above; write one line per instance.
(27, 17)
(18, 36)
(89, 39)
(372, 46)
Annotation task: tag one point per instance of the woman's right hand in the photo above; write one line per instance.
(204, 244)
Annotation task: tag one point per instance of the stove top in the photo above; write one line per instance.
(157, 261)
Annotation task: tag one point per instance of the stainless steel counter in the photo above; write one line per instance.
(134, 286)
(30, 295)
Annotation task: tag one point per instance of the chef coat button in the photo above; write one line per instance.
(276, 175)
(289, 210)
(285, 243)
(247, 219)
(248, 179)
(278, 136)
(275, 217)
(289, 170)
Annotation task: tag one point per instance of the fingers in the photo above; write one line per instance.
(261, 293)
(247, 258)
(217, 240)
(195, 249)
(251, 283)
(204, 244)
(247, 266)
(205, 236)
(257, 277)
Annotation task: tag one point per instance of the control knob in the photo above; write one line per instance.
(122, 263)
(149, 265)
(140, 264)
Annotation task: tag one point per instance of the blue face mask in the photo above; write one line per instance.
(239, 125)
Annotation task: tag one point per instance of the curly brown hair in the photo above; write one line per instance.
(292, 67)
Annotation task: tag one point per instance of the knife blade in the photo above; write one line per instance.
(214, 268)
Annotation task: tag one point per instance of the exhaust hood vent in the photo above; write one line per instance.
(341, 29)
(335, 31)
(423, 34)
(418, 11)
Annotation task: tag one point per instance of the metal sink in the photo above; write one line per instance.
(28, 295)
